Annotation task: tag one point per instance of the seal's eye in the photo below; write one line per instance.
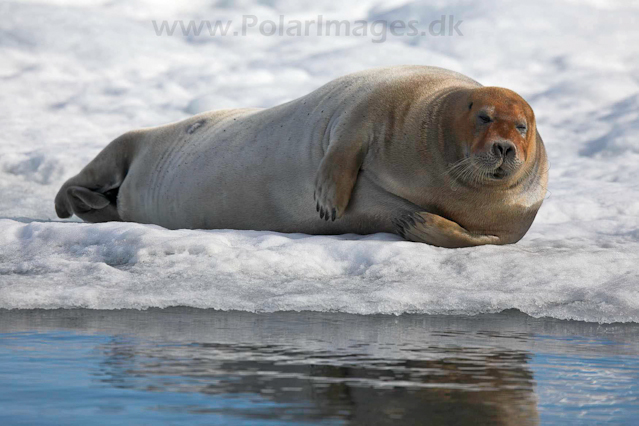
(522, 128)
(484, 118)
(470, 105)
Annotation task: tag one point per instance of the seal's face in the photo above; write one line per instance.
(498, 130)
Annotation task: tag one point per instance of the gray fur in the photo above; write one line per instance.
(353, 149)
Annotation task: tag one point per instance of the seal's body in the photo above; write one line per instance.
(421, 151)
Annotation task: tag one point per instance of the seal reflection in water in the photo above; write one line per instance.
(420, 151)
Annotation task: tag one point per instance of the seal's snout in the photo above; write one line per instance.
(504, 160)
(504, 149)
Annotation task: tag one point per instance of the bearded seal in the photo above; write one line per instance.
(420, 151)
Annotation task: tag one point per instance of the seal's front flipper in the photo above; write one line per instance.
(336, 177)
(423, 227)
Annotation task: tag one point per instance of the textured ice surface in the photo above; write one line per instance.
(75, 74)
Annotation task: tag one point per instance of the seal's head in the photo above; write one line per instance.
(497, 132)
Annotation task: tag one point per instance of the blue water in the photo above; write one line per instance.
(189, 366)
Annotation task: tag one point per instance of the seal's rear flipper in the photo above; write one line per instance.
(88, 205)
(92, 194)
(83, 200)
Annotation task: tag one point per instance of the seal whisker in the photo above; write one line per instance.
(458, 165)
(460, 170)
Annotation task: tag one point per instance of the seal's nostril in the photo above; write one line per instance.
(503, 148)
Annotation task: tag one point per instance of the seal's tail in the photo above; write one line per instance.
(92, 194)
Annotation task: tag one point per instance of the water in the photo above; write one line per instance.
(192, 366)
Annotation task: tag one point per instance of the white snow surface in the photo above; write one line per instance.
(76, 74)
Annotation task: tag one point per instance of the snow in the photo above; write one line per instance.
(76, 74)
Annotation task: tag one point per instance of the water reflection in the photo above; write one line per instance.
(442, 384)
(324, 368)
